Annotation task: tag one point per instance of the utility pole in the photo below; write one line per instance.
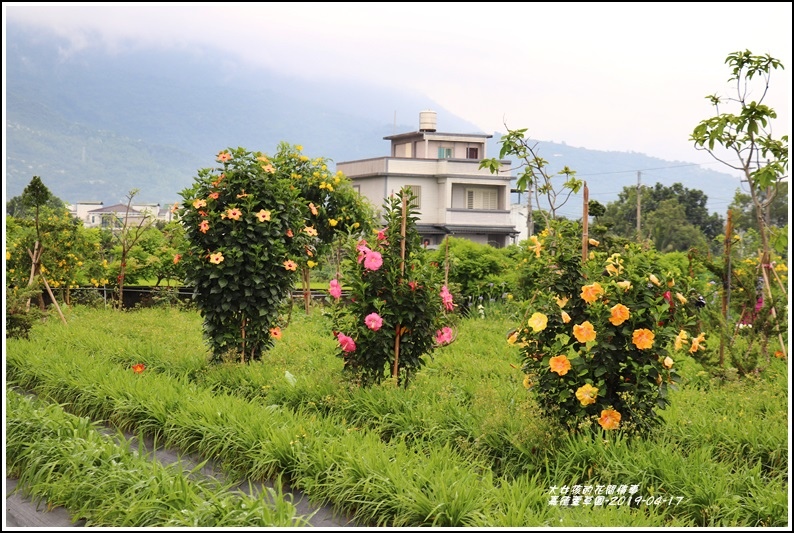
(639, 190)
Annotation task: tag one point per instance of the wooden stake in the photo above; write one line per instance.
(726, 281)
(402, 272)
(446, 260)
(306, 291)
(764, 267)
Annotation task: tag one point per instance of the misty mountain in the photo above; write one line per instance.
(94, 124)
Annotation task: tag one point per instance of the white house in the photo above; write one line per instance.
(94, 214)
(454, 196)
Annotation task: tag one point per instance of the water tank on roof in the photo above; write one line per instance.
(427, 121)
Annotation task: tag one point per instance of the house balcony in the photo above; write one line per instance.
(397, 166)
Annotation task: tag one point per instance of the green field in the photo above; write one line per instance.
(463, 445)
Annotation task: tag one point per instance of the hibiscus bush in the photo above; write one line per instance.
(599, 339)
(397, 302)
(246, 227)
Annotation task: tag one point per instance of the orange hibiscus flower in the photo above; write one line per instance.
(586, 394)
(591, 293)
(560, 364)
(538, 322)
(620, 313)
(642, 338)
(610, 419)
(584, 332)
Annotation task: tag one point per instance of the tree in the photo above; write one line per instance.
(128, 235)
(534, 176)
(621, 216)
(744, 215)
(747, 136)
(247, 229)
(16, 206)
(671, 231)
(35, 195)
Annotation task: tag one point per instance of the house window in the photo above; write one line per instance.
(417, 191)
(472, 153)
(444, 153)
(482, 199)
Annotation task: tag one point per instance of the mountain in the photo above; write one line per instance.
(95, 124)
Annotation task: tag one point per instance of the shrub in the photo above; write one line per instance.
(245, 225)
(596, 345)
(398, 310)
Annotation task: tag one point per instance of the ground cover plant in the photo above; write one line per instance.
(464, 445)
(65, 460)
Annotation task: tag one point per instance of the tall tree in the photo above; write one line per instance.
(621, 216)
(747, 137)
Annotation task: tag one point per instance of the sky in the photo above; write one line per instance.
(603, 76)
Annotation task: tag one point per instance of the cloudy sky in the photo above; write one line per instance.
(604, 76)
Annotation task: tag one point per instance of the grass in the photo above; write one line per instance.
(65, 460)
(464, 445)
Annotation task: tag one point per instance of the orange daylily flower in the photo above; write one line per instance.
(263, 215)
(610, 419)
(214, 195)
(680, 339)
(204, 226)
(591, 293)
(560, 364)
(625, 285)
(138, 368)
(697, 343)
(275, 332)
(642, 338)
(536, 246)
(234, 213)
(289, 264)
(198, 202)
(584, 332)
(620, 313)
(224, 156)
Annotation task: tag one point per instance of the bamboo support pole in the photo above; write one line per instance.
(585, 217)
(402, 272)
